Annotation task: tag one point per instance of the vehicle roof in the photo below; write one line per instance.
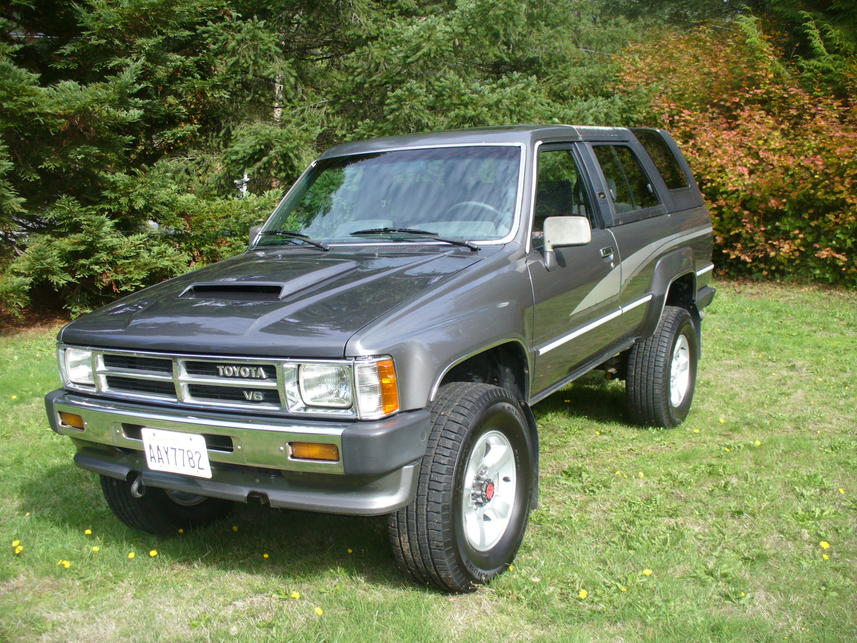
(515, 134)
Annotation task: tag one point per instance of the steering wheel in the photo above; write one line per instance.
(496, 217)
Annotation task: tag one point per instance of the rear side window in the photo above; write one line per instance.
(629, 186)
(663, 158)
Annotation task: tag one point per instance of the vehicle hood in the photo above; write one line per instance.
(278, 303)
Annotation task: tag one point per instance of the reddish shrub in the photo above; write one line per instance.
(777, 165)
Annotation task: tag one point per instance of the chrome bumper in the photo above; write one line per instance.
(250, 456)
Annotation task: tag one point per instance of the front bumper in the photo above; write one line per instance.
(250, 456)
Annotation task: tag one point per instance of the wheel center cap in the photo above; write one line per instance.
(483, 491)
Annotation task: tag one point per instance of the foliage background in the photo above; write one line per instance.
(115, 114)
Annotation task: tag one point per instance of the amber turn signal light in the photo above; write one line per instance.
(71, 419)
(389, 389)
(314, 451)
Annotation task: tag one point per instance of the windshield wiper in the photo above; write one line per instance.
(417, 233)
(297, 236)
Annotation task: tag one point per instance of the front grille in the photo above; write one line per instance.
(240, 383)
(228, 382)
(131, 385)
(221, 393)
(132, 363)
(246, 370)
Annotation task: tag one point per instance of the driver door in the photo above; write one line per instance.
(574, 301)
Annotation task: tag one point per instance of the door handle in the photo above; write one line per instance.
(606, 252)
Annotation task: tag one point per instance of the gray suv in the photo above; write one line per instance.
(379, 346)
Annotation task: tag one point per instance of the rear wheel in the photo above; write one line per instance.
(661, 372)
(160, 511)
(473, 497)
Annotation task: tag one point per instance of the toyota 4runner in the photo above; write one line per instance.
(379, 346)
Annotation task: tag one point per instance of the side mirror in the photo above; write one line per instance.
(254, 232)
(564, 231)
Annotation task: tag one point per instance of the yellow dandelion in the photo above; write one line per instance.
(582, 594)
(131, 554)
(64, 564)
(234, 527)
(349, 550)
(825, 556)
(19, 549)
(647, 572)
(622, 588)
(14, 397)
(153, 553)
(618, 473)
(265, 556)
(640, 474)
(696, 430)
(15, 543)
(743, 594)
(841, 490)
(96, 549)
(180, 530)
(757, 443)
(824, 544)
(295, 595)
(319, 611)
(511, 568)
(726, 449)
(722, 421)
(87, 532)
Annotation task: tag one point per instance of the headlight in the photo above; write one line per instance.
(368, 388)
(77, 366)
(325, 385)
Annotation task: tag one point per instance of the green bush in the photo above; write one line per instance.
(219, 228)
(86, 261)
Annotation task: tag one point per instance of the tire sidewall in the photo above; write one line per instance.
(506, 417)
(685, 327)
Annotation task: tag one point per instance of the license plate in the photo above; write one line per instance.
(175, 452)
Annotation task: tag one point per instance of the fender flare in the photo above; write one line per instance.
(668, 269)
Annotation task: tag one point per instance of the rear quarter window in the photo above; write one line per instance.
(663, 158)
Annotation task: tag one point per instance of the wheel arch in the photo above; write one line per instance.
(504, 364)
(673, 284)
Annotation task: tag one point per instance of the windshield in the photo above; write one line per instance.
(466, 193)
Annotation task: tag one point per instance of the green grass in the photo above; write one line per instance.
(727, 511)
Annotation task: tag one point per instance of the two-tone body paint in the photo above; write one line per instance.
(429, 306)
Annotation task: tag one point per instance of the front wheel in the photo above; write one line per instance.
(473, 497)
(661, 372)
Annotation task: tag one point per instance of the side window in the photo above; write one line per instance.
(663, 158)
(629, 186)
(559, 190)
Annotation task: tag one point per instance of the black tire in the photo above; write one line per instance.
(160, 512)
(433, 537)
(652, 400)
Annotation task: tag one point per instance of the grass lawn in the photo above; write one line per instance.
(740, 524)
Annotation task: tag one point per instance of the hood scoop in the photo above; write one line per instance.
(234, 291)
(249, 287)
